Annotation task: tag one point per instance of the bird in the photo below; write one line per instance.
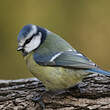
(53, 60)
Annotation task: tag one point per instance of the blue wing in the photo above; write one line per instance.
(71, 59)
(98, 70)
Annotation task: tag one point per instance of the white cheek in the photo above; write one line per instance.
(33, 44)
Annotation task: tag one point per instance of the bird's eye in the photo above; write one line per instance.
(28, 40)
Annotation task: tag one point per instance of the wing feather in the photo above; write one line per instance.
(71, 59)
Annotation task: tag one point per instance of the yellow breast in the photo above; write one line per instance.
(54, 78)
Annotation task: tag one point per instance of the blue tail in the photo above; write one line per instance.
(98, 70)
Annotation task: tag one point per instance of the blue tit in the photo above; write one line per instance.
(53, 60)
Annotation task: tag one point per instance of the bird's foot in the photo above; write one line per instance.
(38, 99)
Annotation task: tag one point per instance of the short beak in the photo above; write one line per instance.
(19, 48)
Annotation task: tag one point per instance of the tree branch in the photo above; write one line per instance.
(93, 93)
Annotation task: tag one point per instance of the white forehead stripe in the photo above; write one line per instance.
(33, 31)
(55, 56)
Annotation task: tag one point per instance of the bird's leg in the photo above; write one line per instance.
(39, 100)
(76, 89)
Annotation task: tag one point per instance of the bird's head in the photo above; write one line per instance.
(30, 38)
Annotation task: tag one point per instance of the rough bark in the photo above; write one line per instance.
(93, 93)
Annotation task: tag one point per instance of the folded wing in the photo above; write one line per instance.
(68, 58)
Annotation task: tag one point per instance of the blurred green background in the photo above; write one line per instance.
(85, 24)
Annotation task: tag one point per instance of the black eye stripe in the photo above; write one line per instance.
(28, 40)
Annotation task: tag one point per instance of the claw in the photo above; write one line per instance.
(39, 100)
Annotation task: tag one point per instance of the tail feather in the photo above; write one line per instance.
(98, 70)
